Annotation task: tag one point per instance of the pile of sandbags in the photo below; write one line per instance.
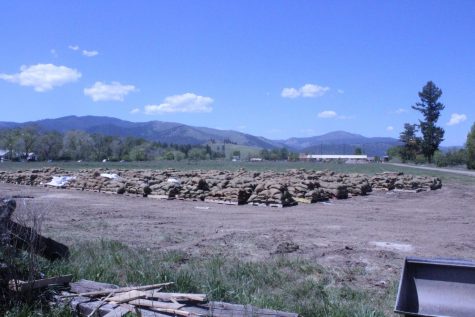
(230, 187)
(399, 181)
(272, 194)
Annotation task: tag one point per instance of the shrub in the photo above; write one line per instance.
(451, 158)
(471, 148)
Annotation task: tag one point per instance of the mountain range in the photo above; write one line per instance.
(337, 142)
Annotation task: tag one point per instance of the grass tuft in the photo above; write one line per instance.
(279, 283)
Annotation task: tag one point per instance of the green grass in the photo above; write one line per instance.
(289, 284)
(369, 169)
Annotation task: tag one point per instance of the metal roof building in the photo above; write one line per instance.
(320, 157)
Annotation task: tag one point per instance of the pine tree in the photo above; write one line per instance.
(430, 108)
(411, 142)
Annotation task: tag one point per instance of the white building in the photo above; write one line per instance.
(3, 153)
(328, 157)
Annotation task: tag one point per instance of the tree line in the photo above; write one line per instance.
(31, 142)
(421, 141)
(34, 143)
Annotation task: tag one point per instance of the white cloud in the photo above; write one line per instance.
(89, 53)
(108, 92)
(456, 118)
(54, 53)
(290, 93)
(310, 90)
(73, 47)
(327, 114)
(340, 91)
(135, 111)
(188, 102)
(330, 114)
(42, 77)
(390, 128)
(306, 91)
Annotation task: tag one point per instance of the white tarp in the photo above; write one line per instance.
(60, 181)
(110, 176)
(173, 181)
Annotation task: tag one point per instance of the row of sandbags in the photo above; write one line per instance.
(234, 187)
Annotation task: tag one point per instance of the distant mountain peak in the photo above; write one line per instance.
(178, 133)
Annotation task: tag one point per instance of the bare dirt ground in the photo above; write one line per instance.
(367, 236)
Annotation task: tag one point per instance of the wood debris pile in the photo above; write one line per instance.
(276, 189)
(88, 298)
(15, 236)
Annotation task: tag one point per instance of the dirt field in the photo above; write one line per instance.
(367, 236)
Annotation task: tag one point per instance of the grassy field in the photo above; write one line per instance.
(285, 283)
(369, 169)
(281, 283)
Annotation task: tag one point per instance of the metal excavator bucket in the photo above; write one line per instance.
(436, 287)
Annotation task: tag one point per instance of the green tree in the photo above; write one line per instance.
(196, 154)
(77, 145)
(139, 153)
(28, 137)
(430, 107)
(358, 151)
(9, 140)
(293, 156)
(471, 148)
(264, 154)
(101, 148)
(411, 142)
(394, 152)
(169, 156)
(50, 145)
(179, 155)
(117, 148)
(237, 153)
(284, 154)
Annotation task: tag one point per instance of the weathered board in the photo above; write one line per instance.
(155, 303)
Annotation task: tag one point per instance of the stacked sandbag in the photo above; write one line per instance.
(399, 181)
(357, 184)
(32, 177)
(231, 190)
(167, 189)
(271, 194)
(384, 181)
(195, 188)
(268, 188)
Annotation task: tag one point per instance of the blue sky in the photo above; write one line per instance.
(271, 68)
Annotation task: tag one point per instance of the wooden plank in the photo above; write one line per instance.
(119, 290)
(175, 312)
(127, 297)
(26, 238)
(85, 309)
(155, 304)
(21, 286)
(76, 301)
(149, 313)
(85, 286)
(119, 312)
(179, 297)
